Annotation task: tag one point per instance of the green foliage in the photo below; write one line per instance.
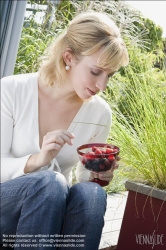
(37, 1)
(32, 44)
(155, 34)
(137, 96)
(141, 132)
(152, 34)
(65, 11)
(141, 64)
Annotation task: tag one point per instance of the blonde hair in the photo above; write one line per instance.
(86, 34)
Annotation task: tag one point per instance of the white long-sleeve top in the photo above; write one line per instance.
(20, 129)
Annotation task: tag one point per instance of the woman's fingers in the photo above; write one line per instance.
(94, 174)
(52, 146)
(58, 137)
(55, 138)
(118, 158)
(114, 166)
(106, 176)
(61, 131)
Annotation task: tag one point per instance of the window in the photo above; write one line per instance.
(12, 18)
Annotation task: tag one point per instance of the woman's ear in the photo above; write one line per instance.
(68, 57)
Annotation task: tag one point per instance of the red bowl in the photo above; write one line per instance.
(98, 157)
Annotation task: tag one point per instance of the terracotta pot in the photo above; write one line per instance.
(144, 221)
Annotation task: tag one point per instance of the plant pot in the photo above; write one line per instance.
(144, 221)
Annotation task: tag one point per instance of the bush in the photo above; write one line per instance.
(140, 132)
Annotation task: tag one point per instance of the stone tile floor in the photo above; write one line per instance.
(116, 203)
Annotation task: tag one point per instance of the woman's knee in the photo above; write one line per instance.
(50, 178)
(50, 183)
(90, 195)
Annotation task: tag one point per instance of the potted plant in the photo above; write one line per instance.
(140, 131)
(144, 222)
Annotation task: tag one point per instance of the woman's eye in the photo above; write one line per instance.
(94, 73)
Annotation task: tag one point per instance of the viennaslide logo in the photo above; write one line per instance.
(150, 239)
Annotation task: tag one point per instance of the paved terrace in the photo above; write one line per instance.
(116, 203)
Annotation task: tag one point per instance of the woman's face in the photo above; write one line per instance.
(86, 78)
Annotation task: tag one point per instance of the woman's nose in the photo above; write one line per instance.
(101, 85)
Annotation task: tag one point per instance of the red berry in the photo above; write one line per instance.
(84, 160)
(90, 155)
(107, 163)
(111, 158)
(98, 151)
(101, 166)
(109, 150)
(94, 148)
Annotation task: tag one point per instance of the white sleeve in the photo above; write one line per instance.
(82, 174)
(10, 167)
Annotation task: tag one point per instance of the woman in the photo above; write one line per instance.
(45, 117)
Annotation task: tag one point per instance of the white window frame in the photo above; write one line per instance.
(12, 20)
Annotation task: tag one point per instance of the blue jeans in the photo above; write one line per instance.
(41, 211)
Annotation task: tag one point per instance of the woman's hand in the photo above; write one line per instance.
(106, 175)
(51, 145)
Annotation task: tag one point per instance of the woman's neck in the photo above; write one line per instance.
(58, 92)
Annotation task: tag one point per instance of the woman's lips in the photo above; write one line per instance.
(91, 92)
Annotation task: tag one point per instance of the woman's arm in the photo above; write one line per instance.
(10, 167)
(53, 141)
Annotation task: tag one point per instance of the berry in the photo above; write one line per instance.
(102, 160)
(84, 160)
(109, 150)
(102, 166)
(94, 148)
(88, 164)
(90, 155)
(111, 157)
(98, 151)
(107, 163)
(95, 167)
